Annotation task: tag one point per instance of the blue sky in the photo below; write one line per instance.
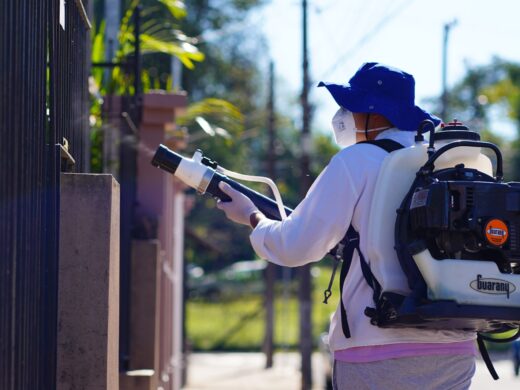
(403, 33)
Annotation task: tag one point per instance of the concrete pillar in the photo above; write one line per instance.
(143, 364)
(88, 303)
(160, 199)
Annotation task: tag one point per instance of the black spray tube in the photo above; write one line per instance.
(205, 179)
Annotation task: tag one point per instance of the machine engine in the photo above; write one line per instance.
(465, 214)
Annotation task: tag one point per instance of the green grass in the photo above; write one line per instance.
(238, 324)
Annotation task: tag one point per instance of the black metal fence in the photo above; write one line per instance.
(43, 98)
(128, 117)
(69, 54)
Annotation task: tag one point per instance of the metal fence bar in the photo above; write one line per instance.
(131, 107)
(29, 177)
(22, 181)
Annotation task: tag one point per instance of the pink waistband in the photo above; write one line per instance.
(394, 351)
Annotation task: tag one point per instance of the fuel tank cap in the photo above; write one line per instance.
(455, 131)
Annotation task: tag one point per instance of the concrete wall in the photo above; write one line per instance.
(88, 303)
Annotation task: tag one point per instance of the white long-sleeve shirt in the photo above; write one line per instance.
(340, 196)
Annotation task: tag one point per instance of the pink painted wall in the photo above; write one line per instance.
(156, 194)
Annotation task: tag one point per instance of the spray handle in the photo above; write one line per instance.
(218, 193)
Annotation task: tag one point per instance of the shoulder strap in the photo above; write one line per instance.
(388, 145)
(352, 243)
(347, 255)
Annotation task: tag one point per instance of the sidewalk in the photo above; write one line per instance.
(244, 371)
(504, 367)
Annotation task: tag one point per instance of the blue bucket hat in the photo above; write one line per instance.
(381, 89)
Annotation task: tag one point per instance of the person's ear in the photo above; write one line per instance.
(359, 120)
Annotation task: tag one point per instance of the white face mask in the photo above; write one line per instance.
(345, 129)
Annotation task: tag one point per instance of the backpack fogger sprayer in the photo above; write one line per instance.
(452, 259)
(444, 233)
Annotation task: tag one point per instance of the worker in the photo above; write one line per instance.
(377, 103)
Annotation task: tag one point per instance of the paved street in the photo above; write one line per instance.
(240, 371)
(244, 371)
(504, 367)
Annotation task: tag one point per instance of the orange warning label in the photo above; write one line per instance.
(497, 232)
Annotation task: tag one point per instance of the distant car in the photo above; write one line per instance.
(239, 278)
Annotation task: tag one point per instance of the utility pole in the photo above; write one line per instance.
(176, 72)
(304, 293)
(271, 268)
(447, 28)
(111, 134)
(113, 20)
(179, 344)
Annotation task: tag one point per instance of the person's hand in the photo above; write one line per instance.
(240, 208)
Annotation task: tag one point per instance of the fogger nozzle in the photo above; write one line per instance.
(166, 159)
(201, 173)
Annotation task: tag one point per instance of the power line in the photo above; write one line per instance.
(365, 38)
(359, 14)
(325, 7)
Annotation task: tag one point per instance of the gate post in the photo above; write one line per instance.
(88, 283)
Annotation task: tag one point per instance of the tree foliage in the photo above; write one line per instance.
(483, 92)
(230, 73)
(484, 87)
(227, 115)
